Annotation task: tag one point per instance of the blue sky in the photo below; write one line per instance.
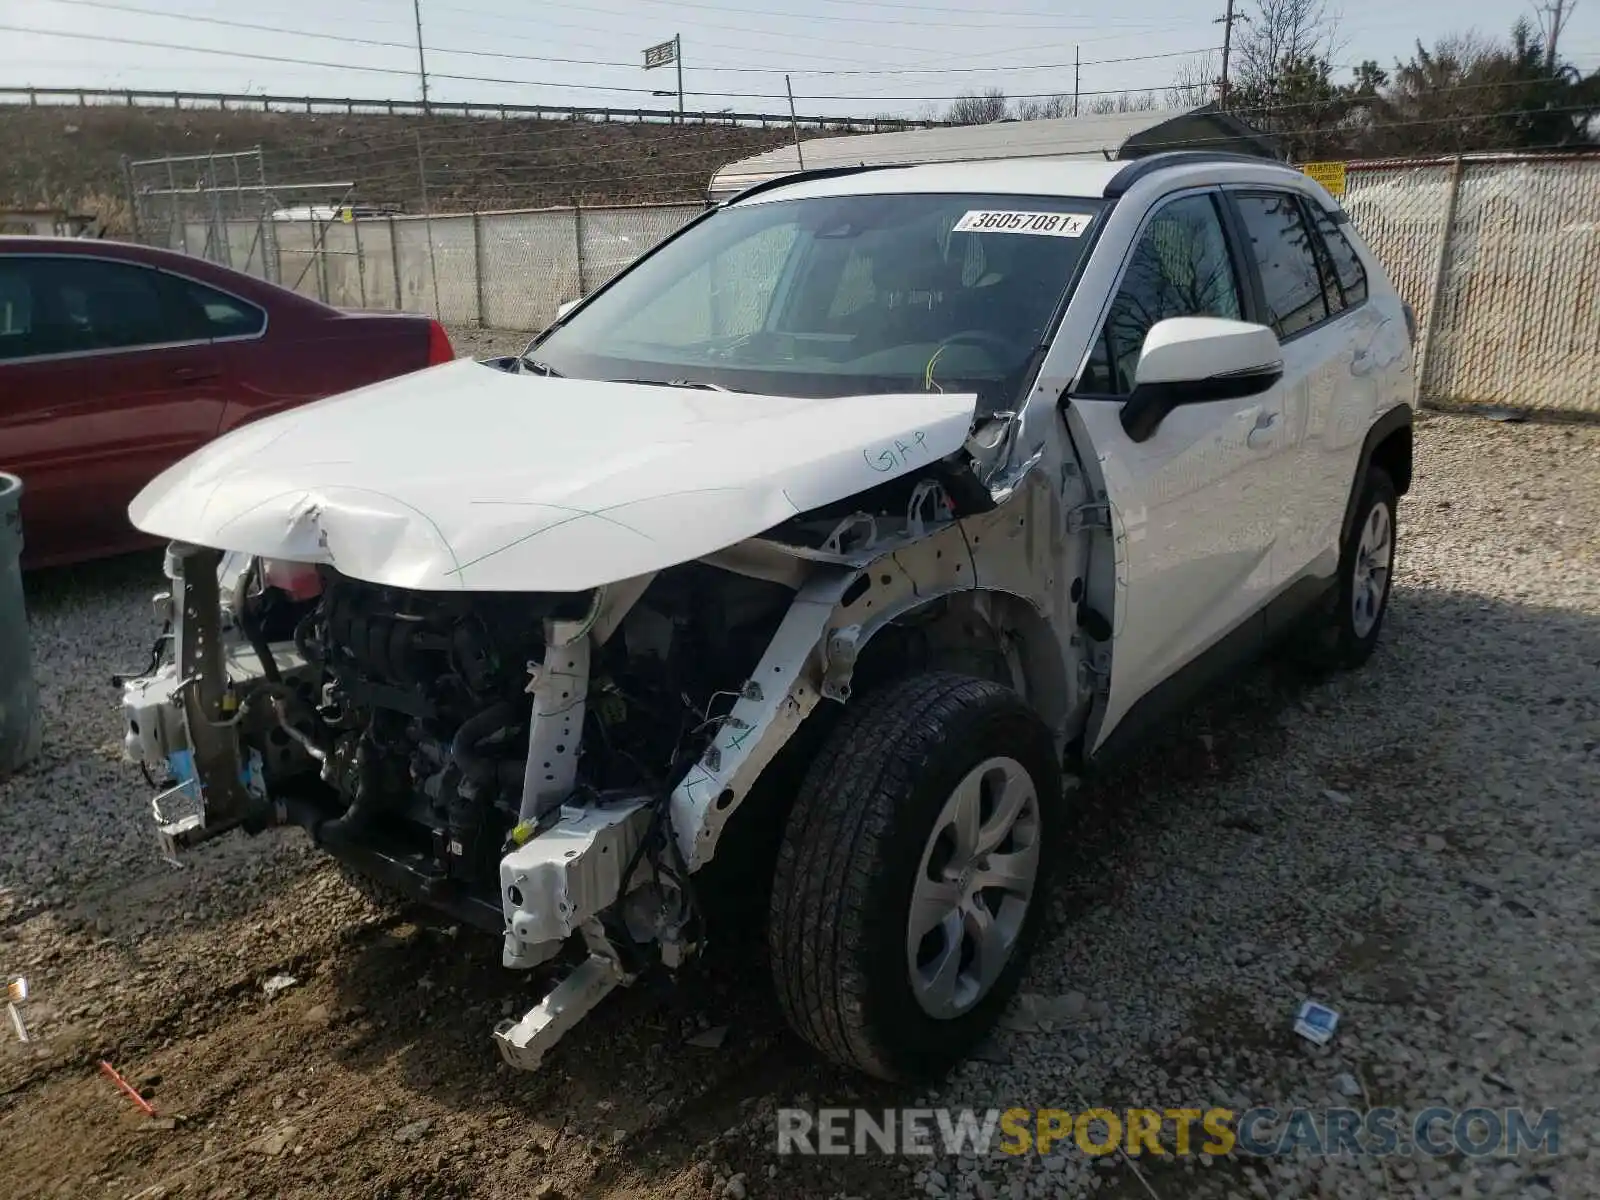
(845, 56)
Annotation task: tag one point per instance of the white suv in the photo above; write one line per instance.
(796, 567)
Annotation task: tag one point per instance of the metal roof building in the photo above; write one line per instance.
(1103, 137)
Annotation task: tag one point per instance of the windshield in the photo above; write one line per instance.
(838, 296)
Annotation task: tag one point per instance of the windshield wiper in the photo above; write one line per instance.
(539, 368)
(683, 383)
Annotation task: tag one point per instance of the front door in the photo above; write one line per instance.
(1194, 508)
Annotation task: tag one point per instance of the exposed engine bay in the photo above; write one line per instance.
(407, 721)
(557, 767)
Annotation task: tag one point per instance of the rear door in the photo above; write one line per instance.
(113, 379)
(1322, 334)
(1193, 509)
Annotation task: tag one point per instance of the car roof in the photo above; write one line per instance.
(1031, 176)
(1042, 176)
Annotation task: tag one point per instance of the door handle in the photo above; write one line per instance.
(194, 374)
(1263, 435)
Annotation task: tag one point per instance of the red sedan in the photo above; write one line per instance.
(118, 360)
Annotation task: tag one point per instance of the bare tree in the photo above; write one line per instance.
(1194, 83)
(1123, 102)
(1044, 108)
(979, 108)
(1278, 37)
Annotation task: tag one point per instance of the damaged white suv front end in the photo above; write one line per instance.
(524, 662)
(802, 546)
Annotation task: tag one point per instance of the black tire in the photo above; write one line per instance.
(842, 887)
(1336, 643)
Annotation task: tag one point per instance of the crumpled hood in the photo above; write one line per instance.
(464, 477)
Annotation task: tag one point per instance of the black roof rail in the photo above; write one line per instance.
(807, 176)
(1139, 168)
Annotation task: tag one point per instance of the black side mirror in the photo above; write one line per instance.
(1149, 403)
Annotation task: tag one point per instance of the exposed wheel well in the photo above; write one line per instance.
(984, 634)
(1393, 454)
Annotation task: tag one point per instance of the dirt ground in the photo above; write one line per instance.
(373, 1074)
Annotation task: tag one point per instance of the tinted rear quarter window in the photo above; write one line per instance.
(1347, 266)
(222, 315)
(1280, 243)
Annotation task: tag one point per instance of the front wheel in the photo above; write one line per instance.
(911, 877)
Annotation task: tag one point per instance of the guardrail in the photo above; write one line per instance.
(240, 101)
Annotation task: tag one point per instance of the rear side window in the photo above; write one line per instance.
(222, 315)
(1347, 268)
(76, 304)
(103, 305)
(1280, 242)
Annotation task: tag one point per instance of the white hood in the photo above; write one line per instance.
(464, 477)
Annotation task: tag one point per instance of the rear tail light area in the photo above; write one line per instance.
(439, 348)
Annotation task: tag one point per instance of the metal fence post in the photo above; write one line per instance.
(427, 220)
(319, 249)
(477, 264)
(361, 260)
(272, 253)
(577, 243)
(1441, 269)
(394, 257)
(177, 217)
(133, 197)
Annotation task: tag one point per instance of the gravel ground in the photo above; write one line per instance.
(1414, 844)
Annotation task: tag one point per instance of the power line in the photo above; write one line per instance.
(348, 39)
(299, 62)
(275, 58)
(1057, 26)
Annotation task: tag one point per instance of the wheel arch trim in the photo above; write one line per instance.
(1389, 423)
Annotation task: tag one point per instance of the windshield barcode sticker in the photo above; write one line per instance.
(1045, 224)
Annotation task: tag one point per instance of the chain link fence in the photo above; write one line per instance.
(1498, 255)
(498, 270)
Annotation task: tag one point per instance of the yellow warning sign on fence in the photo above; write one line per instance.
(1329, 174)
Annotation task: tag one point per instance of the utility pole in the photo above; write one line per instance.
(1075, 68)
(422, 63)
(677, 55)
(1559, 12)
(794, 124)
(1227, 45)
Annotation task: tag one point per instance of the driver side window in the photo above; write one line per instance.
(1180, 268)
(726, 296)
